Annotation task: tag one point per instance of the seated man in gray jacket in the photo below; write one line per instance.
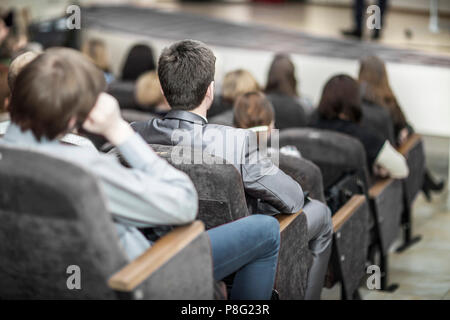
(60, 90)
(186, 73)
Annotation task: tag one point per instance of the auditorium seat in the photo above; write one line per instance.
(306, 173)
(413, 151)
(379, 120)
(225, 118)
(51, 221)
(222, 200)
(350, 226)
(130, 115)
(338, 156)
(123, 91)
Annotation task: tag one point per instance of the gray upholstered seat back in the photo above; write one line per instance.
(51, 217)
(378, 119)
(334, 153)
(219, 187)
(123, 91)
(306, 173)
(131, 115)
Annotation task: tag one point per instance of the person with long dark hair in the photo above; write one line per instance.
(340, 110)
(140, 59)
(281, 90)
(376, 90)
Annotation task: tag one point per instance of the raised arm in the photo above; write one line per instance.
(152, 192)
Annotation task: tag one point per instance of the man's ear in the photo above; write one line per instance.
(72, 123)
(210, 94)
(7, 104)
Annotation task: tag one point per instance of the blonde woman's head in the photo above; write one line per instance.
(96, 50)
(237, 83)
(148, 92)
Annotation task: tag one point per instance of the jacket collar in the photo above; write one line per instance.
(186, 116)
(14, 134)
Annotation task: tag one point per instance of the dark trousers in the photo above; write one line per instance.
(359, 12)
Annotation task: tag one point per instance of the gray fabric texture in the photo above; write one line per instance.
(416, 163)
(261, 178)
(389, 207)
(225, 118)
(222, 200)
(379, 120)
(334, 153)
(51, 220)
(123, 91)
(294, 261)
(306, 173)
(351, 246)
(187, 276)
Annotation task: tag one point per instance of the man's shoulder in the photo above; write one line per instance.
(227, 129)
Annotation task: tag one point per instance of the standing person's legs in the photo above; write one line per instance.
(358, 11)
(383, 5)
(358, 14)
(320, 233)
(249, 246)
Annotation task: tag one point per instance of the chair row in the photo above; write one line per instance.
(369, 218)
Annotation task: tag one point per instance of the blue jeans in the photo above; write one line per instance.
(249, 246)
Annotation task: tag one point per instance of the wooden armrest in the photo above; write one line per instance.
(378, 187)
(409, 144)
(286, 219)
(347, 210)
(130, 276)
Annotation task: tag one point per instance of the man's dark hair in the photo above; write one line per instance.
(185, 71)
(54, 87)
(341, 96)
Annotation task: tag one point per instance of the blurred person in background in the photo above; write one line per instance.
(376, 90)
(148, 94)
(9, 76)
(140, 59)
(340, 110)
(281, 90)
(234, 84)
(359, 10)
(13, 34)
(97, 51)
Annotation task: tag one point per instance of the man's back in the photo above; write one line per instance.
(262, 179)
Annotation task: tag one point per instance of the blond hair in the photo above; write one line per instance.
(95, 49)
(237, 83)
(17, 65)
(147, 91)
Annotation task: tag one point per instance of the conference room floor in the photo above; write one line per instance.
(422, 271)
